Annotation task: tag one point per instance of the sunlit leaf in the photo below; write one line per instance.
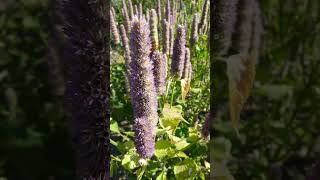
(187, 169)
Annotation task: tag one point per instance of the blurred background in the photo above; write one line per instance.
(34, 140)
(280, 124)
(279, 127)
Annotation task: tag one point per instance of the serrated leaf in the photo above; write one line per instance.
(187, 169)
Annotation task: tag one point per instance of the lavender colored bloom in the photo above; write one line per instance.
(160, 64)
(165, 37)
(86, 66)
(154, 30)
(178, 56)
(224, 19)
(114, 29)
(143, 90)
(144, 138)
(194, 30)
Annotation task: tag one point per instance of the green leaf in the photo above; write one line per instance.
(182, 144)
(130, 161)
(171, 117)
(187, 169)
(162, 148)
(114, 126)
(162, 176)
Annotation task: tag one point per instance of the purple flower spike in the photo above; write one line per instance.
(178, 56)
(165, 37)
(159, 71)
(144, 138)
(142, 86)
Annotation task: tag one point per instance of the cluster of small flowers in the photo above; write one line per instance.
(147, 58)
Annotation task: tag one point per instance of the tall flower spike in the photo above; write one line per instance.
(140, 10)
(136, 11)
(154, 30)
(148, 15)
(113, 12)
(178, 56)
(187, 65)
(165, 37)
(194, 30)
(168, 11)
(127, 56)
(143, 90)
(204, 15)
(86, 67)
(159, 10)
(224, 19)
(127, 22)
(171, 37)
(114, 29)
(131, 11)
(241, 39)
(159, 71)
